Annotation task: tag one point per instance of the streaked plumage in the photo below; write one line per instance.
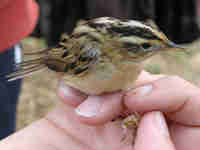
(101, 55)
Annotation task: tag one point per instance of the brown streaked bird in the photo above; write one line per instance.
(101, 55)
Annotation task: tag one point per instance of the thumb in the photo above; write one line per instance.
(153, 133)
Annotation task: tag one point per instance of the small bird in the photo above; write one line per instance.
(102, 55)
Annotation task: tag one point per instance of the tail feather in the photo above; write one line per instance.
(42, 51)
(22, 72)
(34, 62)
(26, 68)
(30, 62)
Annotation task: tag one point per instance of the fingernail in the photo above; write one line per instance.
(90, 107)
(67, 92)
(161, 124)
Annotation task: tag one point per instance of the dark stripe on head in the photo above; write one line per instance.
(136, 31)
(79, 35)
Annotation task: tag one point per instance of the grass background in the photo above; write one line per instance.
(38, 94)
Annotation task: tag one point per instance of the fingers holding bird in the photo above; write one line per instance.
(95, 110)
(174, 96)
(177, 98)
(91, 110)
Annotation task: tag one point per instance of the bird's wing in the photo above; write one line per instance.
(82, 58)
(75, 59)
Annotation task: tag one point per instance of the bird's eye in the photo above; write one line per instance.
(146, 45)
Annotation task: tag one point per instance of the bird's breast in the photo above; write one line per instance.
(105, 78)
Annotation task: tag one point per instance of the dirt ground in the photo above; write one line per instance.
(38, 94)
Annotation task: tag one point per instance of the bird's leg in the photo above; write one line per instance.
(130, 123)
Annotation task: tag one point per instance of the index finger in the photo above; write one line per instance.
(177, 98)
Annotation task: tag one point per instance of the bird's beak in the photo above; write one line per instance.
(175, 46)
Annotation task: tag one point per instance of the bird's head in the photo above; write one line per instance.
(136, 39)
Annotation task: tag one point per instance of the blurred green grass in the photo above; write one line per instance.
(38, 94)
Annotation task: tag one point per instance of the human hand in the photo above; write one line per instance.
(179, 100)
(84, 123)
(175, 97)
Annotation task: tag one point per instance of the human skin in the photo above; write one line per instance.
(84, 123)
